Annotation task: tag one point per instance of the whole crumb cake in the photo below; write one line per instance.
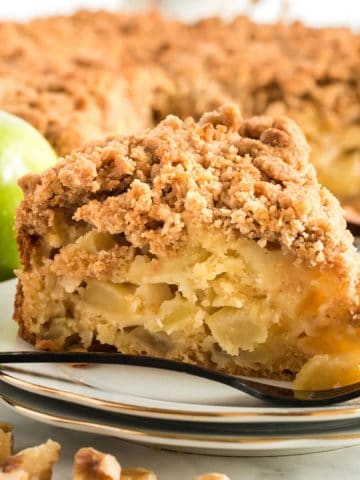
(209, 242)
(81, 77)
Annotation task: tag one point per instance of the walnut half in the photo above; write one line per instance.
(37, 462)
(90, 464)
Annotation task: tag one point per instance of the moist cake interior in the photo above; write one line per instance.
(236, 306)
(208, 242)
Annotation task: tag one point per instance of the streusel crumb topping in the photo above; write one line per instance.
(60, 74)
(248, 178)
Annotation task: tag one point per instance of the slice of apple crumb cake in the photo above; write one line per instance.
(209, 242)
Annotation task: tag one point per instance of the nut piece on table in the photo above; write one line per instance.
(137, 474)
(212, 476)
(6, 442)
(91, 464)
(36, 461)
(20, 475)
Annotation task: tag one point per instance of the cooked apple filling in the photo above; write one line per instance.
(207, 242)
(240, 303)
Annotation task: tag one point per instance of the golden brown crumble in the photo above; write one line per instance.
(247, 178)
(94, 73)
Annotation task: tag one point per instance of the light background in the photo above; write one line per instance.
(315, 12)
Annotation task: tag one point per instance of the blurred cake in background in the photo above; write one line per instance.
(92, 74)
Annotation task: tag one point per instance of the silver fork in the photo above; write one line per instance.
(278, 395)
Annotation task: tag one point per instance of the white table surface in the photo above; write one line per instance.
(341, 464)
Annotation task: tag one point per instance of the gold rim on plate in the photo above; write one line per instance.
(121, 407)
(111, 429)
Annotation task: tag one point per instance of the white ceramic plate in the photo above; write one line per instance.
(149, 393)
(166, 436)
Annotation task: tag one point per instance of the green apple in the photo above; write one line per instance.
(22, 150)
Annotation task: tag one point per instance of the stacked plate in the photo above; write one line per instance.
(165, 409)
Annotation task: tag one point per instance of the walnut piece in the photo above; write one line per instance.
(36, 461)
(91, 464)
(137, 474)
(20, 475)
